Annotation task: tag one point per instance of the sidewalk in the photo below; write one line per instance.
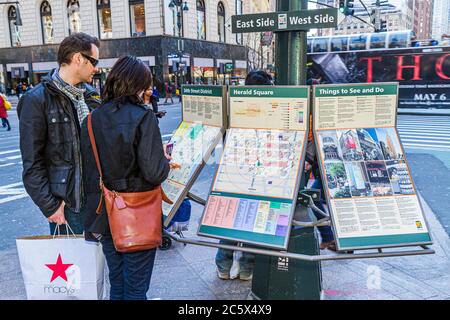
(188, 272)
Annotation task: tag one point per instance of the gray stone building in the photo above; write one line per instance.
(149, 29)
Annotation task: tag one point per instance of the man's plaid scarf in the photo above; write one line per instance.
(75, 94)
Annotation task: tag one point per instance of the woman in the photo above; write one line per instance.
(132, 159)
(4, 113)
(151, 100)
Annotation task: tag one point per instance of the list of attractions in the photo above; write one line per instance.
(372, 197)
(252, 198)
(193, 142)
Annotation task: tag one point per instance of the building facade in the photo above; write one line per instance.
(423, 18)
(260, 45)
(149, 29)
(416, 15)
(441, 18)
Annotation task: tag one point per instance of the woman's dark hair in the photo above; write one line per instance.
(127, 78)
(258, 78)
(76, 42)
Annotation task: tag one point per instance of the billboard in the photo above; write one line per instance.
(423, 74)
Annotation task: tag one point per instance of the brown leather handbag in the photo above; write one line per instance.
(135, 218)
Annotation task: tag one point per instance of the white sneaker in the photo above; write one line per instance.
(223, 275)
(245, 277)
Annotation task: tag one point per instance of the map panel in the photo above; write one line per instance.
(260, 162)
(192, 145)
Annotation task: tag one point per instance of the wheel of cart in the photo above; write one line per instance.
(166, 243)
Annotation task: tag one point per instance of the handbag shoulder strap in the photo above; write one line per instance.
(97, 160)
(94, 146)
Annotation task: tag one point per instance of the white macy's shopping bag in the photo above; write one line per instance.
(61, 268)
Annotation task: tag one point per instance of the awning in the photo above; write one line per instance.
(17, 65)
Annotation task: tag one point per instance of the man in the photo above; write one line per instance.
(50, 116)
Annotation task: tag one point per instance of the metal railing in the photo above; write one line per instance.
(344, 255)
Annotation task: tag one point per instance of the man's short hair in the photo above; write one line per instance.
(76, 42)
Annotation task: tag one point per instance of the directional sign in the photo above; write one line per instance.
(285, 21)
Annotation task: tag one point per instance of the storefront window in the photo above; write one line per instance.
(203, 75)
(73, 15)
(137, 18)
(104, 19)
(46, 22)
(221, 21)
(13, 29)
(201, 20)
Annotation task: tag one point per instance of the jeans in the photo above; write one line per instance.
(75, 221)
(326, 233)
(129, 273)
(224, 260)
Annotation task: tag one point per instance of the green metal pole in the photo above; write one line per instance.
(291, 49)
(282, 47)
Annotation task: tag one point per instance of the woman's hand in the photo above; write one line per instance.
(174, 165)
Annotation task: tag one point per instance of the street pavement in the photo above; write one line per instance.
(188, 272)
(426, 140)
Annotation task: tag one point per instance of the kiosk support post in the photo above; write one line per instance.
(276, 277)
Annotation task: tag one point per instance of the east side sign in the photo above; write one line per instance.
(284, 21)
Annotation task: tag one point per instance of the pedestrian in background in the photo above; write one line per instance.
(312, 167)
(224, 257)
(49, 119)
(4, 113)
(151, 100)
(168, 90)
(19, 90)
(132, 159)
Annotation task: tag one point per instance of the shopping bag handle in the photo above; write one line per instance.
(67, 228)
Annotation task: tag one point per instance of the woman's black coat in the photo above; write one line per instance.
(131, 156)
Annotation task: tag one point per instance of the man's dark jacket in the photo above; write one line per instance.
(131, 156)
(50, 146)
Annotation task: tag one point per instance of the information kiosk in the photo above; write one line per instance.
(370, 192)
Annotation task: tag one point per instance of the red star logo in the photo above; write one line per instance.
(59, 269)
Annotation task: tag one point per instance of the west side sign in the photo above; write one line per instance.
(284, 21)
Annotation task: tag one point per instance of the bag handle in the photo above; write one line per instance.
(97, 161)
(68, 228)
